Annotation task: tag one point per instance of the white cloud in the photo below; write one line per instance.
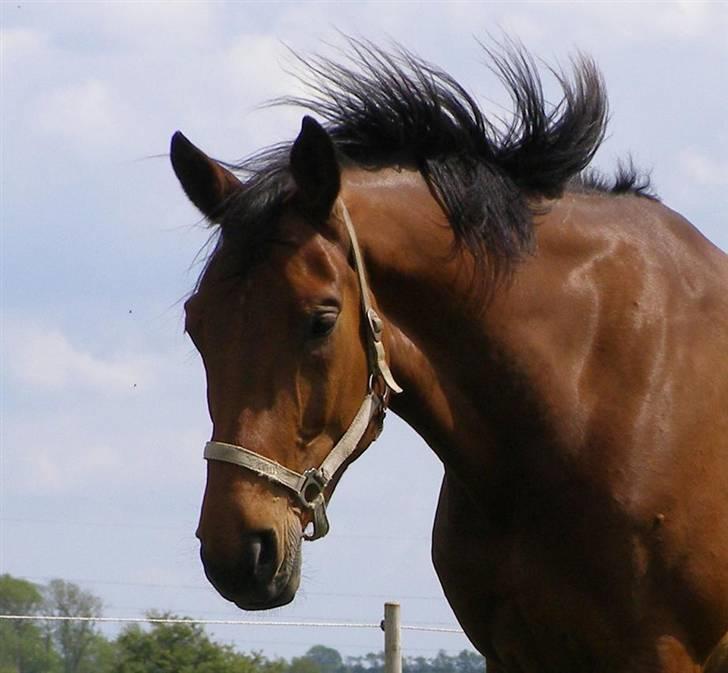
(253, 63)
(17, 42)
(687, 19)
(99, 448)
(703, 169)
(104, 414)
(89, 114)
(155, 23)
(52, 468)
(99, 81)
(605, 26)
(45, 359)
(77, 420)
(252, 72)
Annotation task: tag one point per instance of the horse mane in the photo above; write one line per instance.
(627, 180)
(393, 108)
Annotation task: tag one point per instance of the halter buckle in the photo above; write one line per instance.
(312, 487)
(311, 495)
(375, 324)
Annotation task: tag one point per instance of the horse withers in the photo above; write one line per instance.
(560, 340)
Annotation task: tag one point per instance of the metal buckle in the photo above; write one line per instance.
(312, 487)
(311, 495)
(375, 324)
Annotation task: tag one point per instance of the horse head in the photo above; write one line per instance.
(296, 374)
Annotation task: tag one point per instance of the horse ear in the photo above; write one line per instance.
(207, 184)
(315, 168)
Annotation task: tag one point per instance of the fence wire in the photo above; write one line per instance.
(231, 622)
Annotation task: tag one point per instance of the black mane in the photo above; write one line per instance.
(392, 108)
(626, 180)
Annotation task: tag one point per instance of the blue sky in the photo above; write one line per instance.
(103, 409)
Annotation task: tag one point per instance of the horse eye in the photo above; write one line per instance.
(322, 324)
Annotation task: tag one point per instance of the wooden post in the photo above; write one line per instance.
(392, 645)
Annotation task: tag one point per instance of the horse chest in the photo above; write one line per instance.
(537, 600)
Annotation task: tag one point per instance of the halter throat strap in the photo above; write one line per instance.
(309, 486)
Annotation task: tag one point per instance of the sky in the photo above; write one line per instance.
(102, 404)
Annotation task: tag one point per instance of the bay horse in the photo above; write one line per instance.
(559, 339)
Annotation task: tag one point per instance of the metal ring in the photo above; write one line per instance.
(313, 478)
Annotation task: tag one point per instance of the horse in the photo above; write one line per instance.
(558, 338)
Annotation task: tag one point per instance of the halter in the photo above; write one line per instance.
(309, 487)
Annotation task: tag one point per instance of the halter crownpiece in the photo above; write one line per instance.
(309, 487)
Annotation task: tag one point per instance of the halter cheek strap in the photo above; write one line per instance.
(309, 486)
(376, 356)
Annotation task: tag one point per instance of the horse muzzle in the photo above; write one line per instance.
(254, 577)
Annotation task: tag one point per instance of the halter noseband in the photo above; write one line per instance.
(309, 486)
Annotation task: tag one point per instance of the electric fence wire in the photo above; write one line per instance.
(232, 622)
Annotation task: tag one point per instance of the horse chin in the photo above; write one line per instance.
(275, 600)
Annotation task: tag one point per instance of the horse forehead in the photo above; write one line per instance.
(315, 260)
(300, 260)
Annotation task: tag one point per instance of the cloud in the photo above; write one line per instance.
(43, 358)
(687, 19)
(89, 114)
(100, 449)
(53, 467)
(645, 22)
(156, 23)
(613, 26)
(95, 422)
(17, 42)
(703, 169)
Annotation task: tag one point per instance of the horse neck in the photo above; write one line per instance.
(425, 288)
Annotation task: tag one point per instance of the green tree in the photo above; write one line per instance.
(328, 659)
(469, 662)
(369, 663)
(466, 661)
(78, 643)
(443, 663)
(24, 647)
(303, 665)
(182, 648)
(318, 659)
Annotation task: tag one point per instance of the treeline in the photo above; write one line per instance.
(46, 646)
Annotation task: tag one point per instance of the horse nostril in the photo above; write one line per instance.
(248, 568)
(258, 555)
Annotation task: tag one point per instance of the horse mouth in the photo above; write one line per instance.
(274, 598)
(278, 591)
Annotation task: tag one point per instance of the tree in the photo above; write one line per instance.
(23, 646)
(303, 665)
(469, 662)
(77, 642)
(77, 647)
(443, 663)
(370, 663)
(466, 661)
(182, 648)
(318, 659)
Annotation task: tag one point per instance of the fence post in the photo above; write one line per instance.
(392, 645)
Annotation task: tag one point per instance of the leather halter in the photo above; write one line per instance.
(309, 487)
